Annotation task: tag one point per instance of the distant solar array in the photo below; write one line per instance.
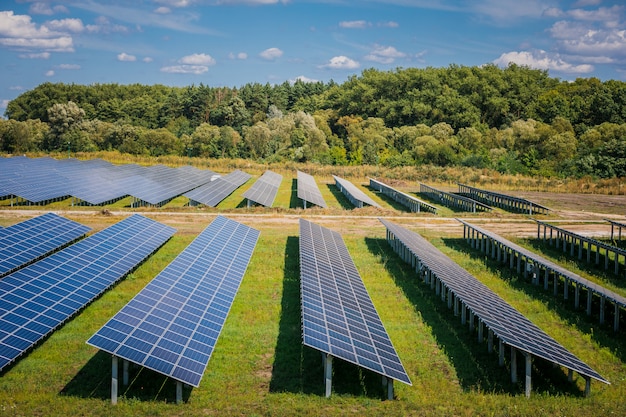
(502, 201)
(414, 204)
(94, 182)
(504, 250)
(212, 193)
(264, 190)
(40, 297)
(338, 316)
(309, 191)
(32, 239)
(462, 289)
(357, 197)
(453, 200)
(173, 324)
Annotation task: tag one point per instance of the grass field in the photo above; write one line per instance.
(260, 368)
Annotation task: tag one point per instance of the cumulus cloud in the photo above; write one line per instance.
(20, 32)
(70, 25)
(124, 57)
(354, 24)
(341, 62)
(147, 59)
(191, 64)
(303, 79)
(49, 73)
(41, 55)
(185, 69)
(271, 54)
(540, 59)
(197, 59)
(384, 54)
(46, 9)
(239, 55)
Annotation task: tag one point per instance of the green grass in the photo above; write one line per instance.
(260, 368)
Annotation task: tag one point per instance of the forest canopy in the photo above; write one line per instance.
(514, 120)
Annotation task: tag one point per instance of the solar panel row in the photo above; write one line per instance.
(503, 201)
(173, 324)
(353, 193)
(453, 200)
(338, 316)
(414, 204)
(309, 191)
(32, 239)
(37, 299)
(264, 190)
(212, 193)
(509, 325)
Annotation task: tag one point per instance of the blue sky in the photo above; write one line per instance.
(234, 42)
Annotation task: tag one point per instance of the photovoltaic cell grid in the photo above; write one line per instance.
(173, 324)
(264, 190)
(309, 191)
(37, 299)
(212, 193)
(338, 316)
(27, 241)
(354, 194)
(508, 324)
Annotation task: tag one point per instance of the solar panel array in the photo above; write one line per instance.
(503, 201)
(309, 191)
(37, 299)
(338, 316)
(173, 324)
(27, 241)
(414, 204)
(264, 190)
(212, 193)
(95, 182)
(508, 324)
(353, 193)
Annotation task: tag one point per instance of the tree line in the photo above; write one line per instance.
(514, 119)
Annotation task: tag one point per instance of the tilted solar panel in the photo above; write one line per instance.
(173, 324)
(34, 238)
(37, 299)
(264, 190)
(338, 316)
(508, 324)
(309, 191)
(212, 193)
(354, 194)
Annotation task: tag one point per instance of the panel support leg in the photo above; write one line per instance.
(179, 392)
(114, 380)
(529, 366)
(328, 374)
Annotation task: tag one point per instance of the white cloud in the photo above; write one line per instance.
(4, 103)
(163, 10)
(49, 73)
(354, 24)
(197, 59)
(41, 55)
(341, 62)
(16, 88)
(186, 69)
(390, 24)
(384, 54)
(542, 60)
(147, 59)
(303, 79)
(239, 55)
(124, 57)
(503, 11)
(271, 54)
(175, 3)
(68, 66)
(44, 8)
(252, 2)
(578, 38)
(71, 25)
(103, 25)
(19, 31)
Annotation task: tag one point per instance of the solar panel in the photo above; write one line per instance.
(503, 201)
(338, 316)
(32, 239)
(508, 324)
(354, 194)
(37, 299)
(173, 324)
(414, 204)
(264, 190)
(212, 193)
(309, 191)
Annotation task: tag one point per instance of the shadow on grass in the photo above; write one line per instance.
(341, 199)
(476, 368)
(294, 201)
(94, 381)
(298, 368)
(577, 318)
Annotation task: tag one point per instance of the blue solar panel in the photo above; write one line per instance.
(213, 193)
(338, 316)
(264, 190)
(37, 299)
(172, 325)
(309, 191)
(353, 193)
(32, 239)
